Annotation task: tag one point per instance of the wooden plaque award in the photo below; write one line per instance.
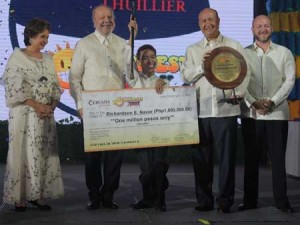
(225, 68)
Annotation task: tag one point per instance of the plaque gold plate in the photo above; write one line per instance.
(225, 68)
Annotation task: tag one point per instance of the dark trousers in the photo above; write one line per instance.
(219, 134)
(273, 135)
(153, 177)
(110, 162)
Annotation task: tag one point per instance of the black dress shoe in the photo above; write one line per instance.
(40, 206)
(222, 209)
(204, 208)
(287, 210)
(110, 205)
(246, 206)
(93, 205)
(160, 207)
(141, 205)
(20, 208)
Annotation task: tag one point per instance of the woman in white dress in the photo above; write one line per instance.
(33, 171)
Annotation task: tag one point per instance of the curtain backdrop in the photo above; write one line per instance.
(259, 8)
(285, 16)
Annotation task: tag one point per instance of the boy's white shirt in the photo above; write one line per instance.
(139, 80)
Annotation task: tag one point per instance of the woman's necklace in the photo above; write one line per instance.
(34, 54)
(37, 58)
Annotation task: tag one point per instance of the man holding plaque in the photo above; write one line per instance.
(266, 113)
(97, 64)
(217, 118)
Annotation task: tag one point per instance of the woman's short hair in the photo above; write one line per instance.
(35, 27)
(143, 48)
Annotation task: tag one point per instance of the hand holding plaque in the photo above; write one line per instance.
(225, 68)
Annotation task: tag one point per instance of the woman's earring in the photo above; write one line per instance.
(30, 41)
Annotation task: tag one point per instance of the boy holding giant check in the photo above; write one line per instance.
(148, 118)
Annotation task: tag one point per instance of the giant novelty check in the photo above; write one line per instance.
(139, 118)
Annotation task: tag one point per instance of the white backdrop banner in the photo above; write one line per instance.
(170, 26)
